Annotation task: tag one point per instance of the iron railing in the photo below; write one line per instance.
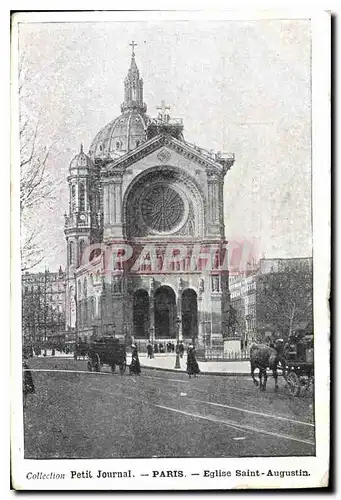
(219, 355)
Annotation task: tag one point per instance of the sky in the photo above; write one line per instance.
(240, 86)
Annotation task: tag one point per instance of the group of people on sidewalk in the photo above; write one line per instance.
(134, 367)
(151, 350)
(192, 364)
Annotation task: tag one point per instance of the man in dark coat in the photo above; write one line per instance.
(150, 350)
(192, 364)
(135, 362)
(181, 349)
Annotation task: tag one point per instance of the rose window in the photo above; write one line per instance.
(162, 208)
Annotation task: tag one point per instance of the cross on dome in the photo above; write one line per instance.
(132, 45)
(163, 112)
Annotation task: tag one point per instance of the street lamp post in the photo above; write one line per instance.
(151, 330)
(177, 359)
(151, 340)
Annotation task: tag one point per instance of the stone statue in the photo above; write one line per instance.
(215, 287)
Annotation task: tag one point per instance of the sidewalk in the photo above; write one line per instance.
(166, 362)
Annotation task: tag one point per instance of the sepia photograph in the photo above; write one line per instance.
(167, 302)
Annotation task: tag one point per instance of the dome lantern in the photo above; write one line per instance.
(128, 131)
(133, 87)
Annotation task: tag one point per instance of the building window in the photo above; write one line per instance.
(137, 143)
(118, 145)
(73, 198)
(81, 197)
(81, 250)
(71, 252)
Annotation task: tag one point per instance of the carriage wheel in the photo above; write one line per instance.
(113, 368)
(293, 382)
(123, 368)
(96, 363)
(308, 381)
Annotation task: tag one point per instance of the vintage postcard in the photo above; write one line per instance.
(170, 250)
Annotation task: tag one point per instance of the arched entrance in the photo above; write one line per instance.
(141, 314)
(189, 307)
(165, 312)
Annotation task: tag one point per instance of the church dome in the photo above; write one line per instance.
(127, 131)
(122, 134)
(81, 160)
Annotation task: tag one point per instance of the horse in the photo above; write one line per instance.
(262, 357)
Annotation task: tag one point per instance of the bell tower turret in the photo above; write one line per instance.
(83, 219)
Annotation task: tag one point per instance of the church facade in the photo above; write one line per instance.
(145, 231)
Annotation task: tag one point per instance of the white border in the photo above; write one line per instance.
(317, 466)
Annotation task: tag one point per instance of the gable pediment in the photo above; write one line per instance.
(165, 148)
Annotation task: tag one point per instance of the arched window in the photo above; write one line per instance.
(81, 250)
(81, 198)
(73, 198)
(118, 144)
(137, 143)
(71, 252)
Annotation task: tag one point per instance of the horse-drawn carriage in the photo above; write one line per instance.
(298, 364)
(107, 351)
(295, 359)
(81, 350)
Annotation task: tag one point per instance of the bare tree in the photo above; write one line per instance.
(36, 185)
(284, 299)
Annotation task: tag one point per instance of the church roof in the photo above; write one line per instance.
(131, 130)
(122, 134)
(127, 131)
(218, 163)
(81, 160)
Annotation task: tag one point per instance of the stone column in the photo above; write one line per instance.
(106, 211)
(118, 201)
(151, 308)
(213, 199)
(86, 203)
(215, 206)
(201, 330)
(179, 308)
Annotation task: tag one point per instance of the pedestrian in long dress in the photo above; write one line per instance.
(135, 366)
(192, 364)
